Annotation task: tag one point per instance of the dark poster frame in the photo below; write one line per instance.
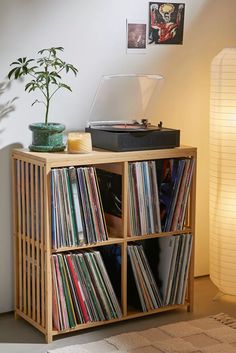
(166, 23)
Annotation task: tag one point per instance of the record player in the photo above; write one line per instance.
(119, 115)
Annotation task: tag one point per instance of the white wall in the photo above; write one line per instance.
(93, 34)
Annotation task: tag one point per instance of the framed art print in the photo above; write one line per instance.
(166, 23)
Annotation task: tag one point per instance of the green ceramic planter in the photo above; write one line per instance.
(47, 137)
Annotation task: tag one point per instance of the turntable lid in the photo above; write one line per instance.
(124, 97)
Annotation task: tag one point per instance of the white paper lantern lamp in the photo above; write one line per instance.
(223, 171)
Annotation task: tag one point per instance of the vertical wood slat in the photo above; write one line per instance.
(27, 239)
(42, 241)
(47, 245)
(125, 230)
(32, 217)
(23, 235)
(15, 232)
(37, 226)
(19, 232)
(124, 278)
(125, 199)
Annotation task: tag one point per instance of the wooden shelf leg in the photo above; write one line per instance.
(16, 316)
(190, 308)
(48, 338)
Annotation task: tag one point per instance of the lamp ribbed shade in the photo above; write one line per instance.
(223, 171)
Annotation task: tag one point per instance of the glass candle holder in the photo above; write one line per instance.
(79, 142)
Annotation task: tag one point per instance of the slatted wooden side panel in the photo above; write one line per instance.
(30, 244)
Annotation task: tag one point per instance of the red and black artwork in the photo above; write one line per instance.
(166, 23)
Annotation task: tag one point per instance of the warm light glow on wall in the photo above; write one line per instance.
(223, 171)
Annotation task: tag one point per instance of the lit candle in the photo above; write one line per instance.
(79, 142)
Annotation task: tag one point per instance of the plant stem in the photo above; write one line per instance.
(54, 92)
(47, 97)
(38, 85)
(47, 109)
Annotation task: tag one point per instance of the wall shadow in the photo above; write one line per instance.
(7, 107)
(6, 230)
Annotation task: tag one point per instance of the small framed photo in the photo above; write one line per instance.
(136, 31)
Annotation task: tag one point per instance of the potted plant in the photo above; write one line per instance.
(45, 75)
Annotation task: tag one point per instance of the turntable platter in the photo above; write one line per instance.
(126, 128)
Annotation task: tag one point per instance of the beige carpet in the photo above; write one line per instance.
(213, 334)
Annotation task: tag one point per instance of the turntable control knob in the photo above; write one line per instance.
(145, 122)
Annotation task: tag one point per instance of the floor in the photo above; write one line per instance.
(17, 336)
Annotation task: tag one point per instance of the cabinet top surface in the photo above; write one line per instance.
(101, 156)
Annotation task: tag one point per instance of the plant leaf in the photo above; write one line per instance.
(33, 87)
(29, 60)
(28, 85)
(42, 51)
(14, 63)
(11, 73)
(37, 101)
(32, 69)
(59, 48)
(63, 85)
(53, 80)
(18, 72)
(72, 68)
(54, 73)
